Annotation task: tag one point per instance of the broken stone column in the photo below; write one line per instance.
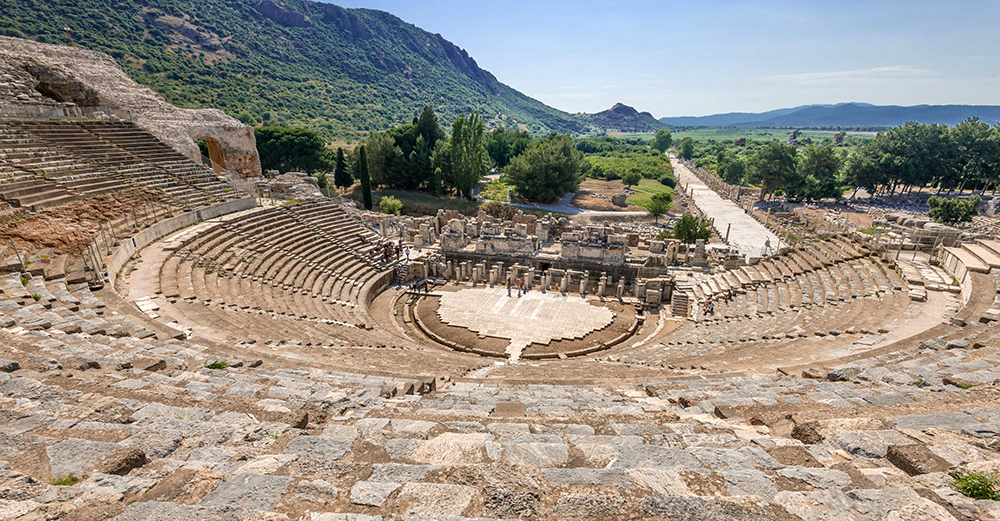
(640, 289)
(449, 273)
(621, 288)
(583, 283)
(602, 285)
(546, 281)
(529, 278)
(564, 283)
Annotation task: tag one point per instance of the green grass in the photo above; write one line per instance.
(645, 190)
(497, 190)
(977, 485)
(65, 481)
(221, 364)
(36, 296)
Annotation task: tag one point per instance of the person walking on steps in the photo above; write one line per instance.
(508, 285)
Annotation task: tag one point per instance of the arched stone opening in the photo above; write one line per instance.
(215, 153)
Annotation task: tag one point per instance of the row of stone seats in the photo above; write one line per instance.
(68, 160)
(653, 451)
(151, 433)
(144, 146)
(20, 185)
(294, 271)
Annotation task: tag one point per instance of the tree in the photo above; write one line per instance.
(381, 152)
(953, 211)
(631, 178)
(290, 149)
(504, 144)
(366, 181)
(686, 148)
(662, 140)
(441, 162)
(733, 170)
(689, 229)
(469, 160)
(341, 177)
(390, 205)
(321, 180)
(816, 175)
(659, 205)
(549, 168)
(427, 126)
(771, 165)
(436, 182)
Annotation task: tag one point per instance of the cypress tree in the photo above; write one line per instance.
(341, 177)
(366, 181)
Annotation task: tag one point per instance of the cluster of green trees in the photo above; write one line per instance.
(917, 155)
(912, 155)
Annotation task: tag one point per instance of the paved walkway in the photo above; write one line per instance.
(535, 317)
(746, 234)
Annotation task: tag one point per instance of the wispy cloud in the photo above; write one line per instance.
(874, 73)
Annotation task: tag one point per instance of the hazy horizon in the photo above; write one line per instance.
(691, 59)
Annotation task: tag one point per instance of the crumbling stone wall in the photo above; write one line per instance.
(44, 77)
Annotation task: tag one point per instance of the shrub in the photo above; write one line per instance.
(499, 210)
(390, 205)
(953, 211)
(65, 481)
(977, 485)
(690, 228)
(36, 296)
(668, 180)
(631, 178)
(220, 364)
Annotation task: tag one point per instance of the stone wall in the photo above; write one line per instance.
(37, 75)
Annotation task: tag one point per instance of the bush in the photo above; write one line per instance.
(690, 228)
(977, 485)
(499, 210)
(631, 178)
(390, 205)
(953, 211)
(221, 364)
(668, 180)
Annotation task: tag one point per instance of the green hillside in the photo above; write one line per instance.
(338, 71)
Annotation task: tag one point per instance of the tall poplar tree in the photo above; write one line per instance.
(469, 160)
(366, 181)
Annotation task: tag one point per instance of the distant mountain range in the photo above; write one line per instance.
(842, 115)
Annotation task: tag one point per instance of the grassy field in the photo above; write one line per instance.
(763, 135)
(645, 191)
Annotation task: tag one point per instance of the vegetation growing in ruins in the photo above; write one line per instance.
(338, 72)
(977, 485)
(953, 211)
(689, 229)
(659, 204)
(390, 205)
(219, 364)
(65, 481)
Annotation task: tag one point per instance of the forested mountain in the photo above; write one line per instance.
(294, 62)
(842, 115)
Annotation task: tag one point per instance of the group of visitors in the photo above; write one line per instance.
(519, 282)
(387, 251)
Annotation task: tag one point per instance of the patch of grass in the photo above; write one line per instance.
(645, 191)
(920, 383)
(964, 386)
(24, 280)
(220, 364)
(976, 485)
(65, 481)
(36, 296)
(497, 190)
(871, 230)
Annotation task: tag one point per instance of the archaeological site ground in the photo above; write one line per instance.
(183, 337)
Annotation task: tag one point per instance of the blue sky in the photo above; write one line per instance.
(702, 57)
